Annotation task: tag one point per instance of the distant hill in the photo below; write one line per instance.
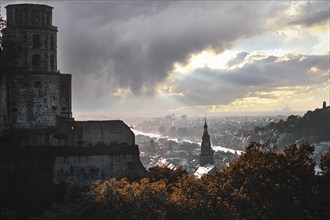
(313, 127)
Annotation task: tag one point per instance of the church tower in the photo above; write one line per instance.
(206, 156)
(37, 94)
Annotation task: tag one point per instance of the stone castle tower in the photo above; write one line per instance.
(35, 107)
(36, 93)
(206, 156)
(32, 25)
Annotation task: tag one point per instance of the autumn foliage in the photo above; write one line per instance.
(261, 184)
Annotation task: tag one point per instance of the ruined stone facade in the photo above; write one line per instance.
(75, 164)
(35, 99)
(35, 92)
(35, 106)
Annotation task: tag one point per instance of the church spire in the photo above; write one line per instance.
(206, 136)
(206, 156)
(205, 125)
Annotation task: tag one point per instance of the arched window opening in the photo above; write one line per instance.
(35, 17)
(36, 41)
(52, 42)
(18, 16)
(48, 18)
(52, 62)
(36, 61)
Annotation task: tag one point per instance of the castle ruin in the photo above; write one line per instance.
(36, 109)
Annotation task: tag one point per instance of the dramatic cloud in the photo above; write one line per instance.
(320, 16)
(309, 14)
(125, 53)
(207, 86)
(135, 45)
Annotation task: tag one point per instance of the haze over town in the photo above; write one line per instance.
(164, 109)
(193, 57)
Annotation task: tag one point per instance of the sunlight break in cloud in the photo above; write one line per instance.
(255, 79)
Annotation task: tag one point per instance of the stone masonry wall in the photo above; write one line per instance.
(65, 96)
(80, 167)
(37, 100)
(34, 100)
(30, 27)
(105, 133)
(47, 48)
(3, 102)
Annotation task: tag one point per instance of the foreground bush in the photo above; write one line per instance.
(261, 184)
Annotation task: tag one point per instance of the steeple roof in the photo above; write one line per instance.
(205, 125)
(206, 136)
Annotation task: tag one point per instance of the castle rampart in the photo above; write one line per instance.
(35, 109)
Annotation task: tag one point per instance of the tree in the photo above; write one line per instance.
(3, 24)
(322, 188)
(265, 184)
(169, 176)
(261, 184)
(10, 51)
(199, 199)
(325, 163)
(137, 200)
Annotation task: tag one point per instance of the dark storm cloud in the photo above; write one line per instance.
(135, 44)
(220, 87)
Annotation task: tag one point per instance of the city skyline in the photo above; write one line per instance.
(192, 57)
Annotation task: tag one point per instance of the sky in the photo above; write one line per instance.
(193, 57)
